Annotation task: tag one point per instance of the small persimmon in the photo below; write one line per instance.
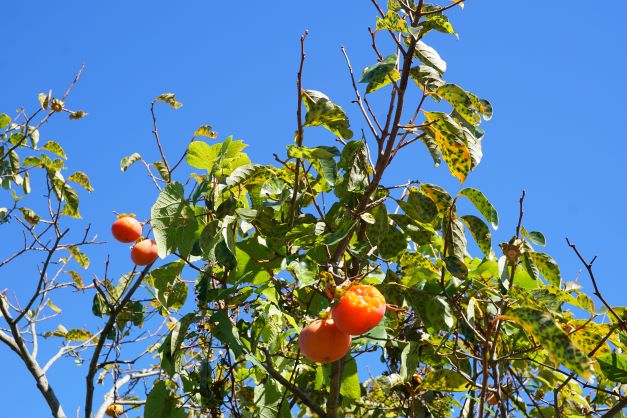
(114, 410)
(126, 229)
(144, 252)
(359, 310)
(322, 342)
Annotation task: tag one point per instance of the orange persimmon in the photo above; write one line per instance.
(322, 342)
(126, 229)
(359, 310)
(144, 252)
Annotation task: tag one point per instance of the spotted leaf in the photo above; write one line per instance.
(542, 326)
(547, 267)
(448, 137)
(482, 204)
(480, 232)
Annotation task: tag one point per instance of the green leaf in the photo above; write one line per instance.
(350, 388)
(221, 157)
(434, 311)
(161, 403)
(426, 77)
(449, 139)
(77, 335)
(456, 267)
(81, 178)
(79, 256)
(206, 131)
(30, 216)
(4, 120)
(440, 196)
(614, 367)
(169, 98)
(480, 232)
(171, 292)
(534, 237)
(410, 358)
(461, 102)
(542, 326)
(547, 266)
(482, 204)
(267, 397)
(54, 148)
(430, 57)
(321, 111)
(419, 206)
(380, 74)
(392, 22)
(432, 146)
(444, 380)
(224, 331)
(129, 161)
(438, 22)
(393, 243)
(457, 240)
(320, 152)
(165, 218)
(305, 271)
(344, 229)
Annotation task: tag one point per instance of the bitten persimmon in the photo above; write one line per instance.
(114, 410)
(359, 310)
(126, 229)
(322, 342)
(144, 252)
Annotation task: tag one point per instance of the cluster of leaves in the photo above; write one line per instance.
(268, 255)
(21, 154)
(271, 245)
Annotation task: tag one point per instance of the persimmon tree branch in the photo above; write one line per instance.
(93, 364)
(292, 387)
(597, 293)
(299, 123)
(110, 395)
(18, 345)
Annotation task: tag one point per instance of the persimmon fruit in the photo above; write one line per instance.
(126, 229)
(359, 310)
(322, 342)
(144, 252)
(114, 410)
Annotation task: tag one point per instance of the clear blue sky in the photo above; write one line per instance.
(554, 71)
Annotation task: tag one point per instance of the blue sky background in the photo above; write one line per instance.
(554, 72)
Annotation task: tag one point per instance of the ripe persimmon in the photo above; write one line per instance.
(114, 410)
(126, 229)
(359, 310)
(322, 342)
(144, 252)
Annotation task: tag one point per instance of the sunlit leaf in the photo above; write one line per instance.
(129, 161)
(444, 380)
(170, 99)
(482, 204)
(321, 111)
(542, 326)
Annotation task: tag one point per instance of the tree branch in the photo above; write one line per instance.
(93, 364)
(17, 342)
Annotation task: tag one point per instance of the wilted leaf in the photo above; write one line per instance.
(170, 99)
(129, 161)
